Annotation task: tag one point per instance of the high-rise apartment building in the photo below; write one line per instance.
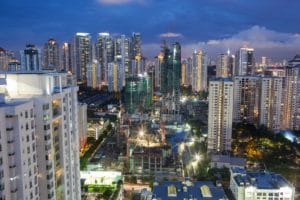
(246, 99)
(93, 74)
(220, 115)
(115, 77)
(51, 55)
(270, 102)
(199, 71)
(157, 70)
(82, 55)
(245, 63)
(136, 45)
(104, 54)
(291, 115)
(223, 68)
(40, 127)
(66, 58)
(31, 58)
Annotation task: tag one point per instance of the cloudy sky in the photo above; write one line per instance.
(272, 27)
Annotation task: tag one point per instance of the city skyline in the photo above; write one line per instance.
(213, 26)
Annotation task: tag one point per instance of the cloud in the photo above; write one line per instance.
(118, 2)
(266, 42)
(170, 35)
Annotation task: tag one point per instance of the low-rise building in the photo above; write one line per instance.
(259, 185)
(220, 161)
(176, 190)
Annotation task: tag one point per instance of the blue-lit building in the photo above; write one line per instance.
(175, 190)
(246, 185)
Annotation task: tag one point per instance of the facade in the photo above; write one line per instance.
(176, 190)
(221, 161)
(93, 73)
(259, 185)
(136, 45)
(291, 115)
(138, 93)
(82, 125)
(51, 55)
(245, 64)
(270, 102)
(199, 71)
(82, 55)
(115, 77)
(48, 124)
(18, 155)
(66, 58)
(246, 99)
(220, 115)
(157, 70)
(223, 68)
(104, 54)
(31, 58)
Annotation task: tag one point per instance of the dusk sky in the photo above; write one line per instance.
(272, 27)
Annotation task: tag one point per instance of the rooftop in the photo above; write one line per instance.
(186, 190)
(260, 180)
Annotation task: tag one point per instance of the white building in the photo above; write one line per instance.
(259, 185)
(220, 115)
(18, 153)
(270, 102)
(46, 124)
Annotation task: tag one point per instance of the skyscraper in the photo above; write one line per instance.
(93, 73)
(136, 45)
(170, 76)
(245, 64)
(115, 76)
(246, 99)
(6, 57)
(104, 54)
(31, 58)
(41, 154)
(82, 55)
(220, 115)
(199, 71)
(291, 116)
(270, 102)
(66, 58)
(51, 55)
(157, 70)
(223, 66)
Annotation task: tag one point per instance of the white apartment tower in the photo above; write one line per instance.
(18, 153)
(40, 110)
(220, 115)
(270, 102)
